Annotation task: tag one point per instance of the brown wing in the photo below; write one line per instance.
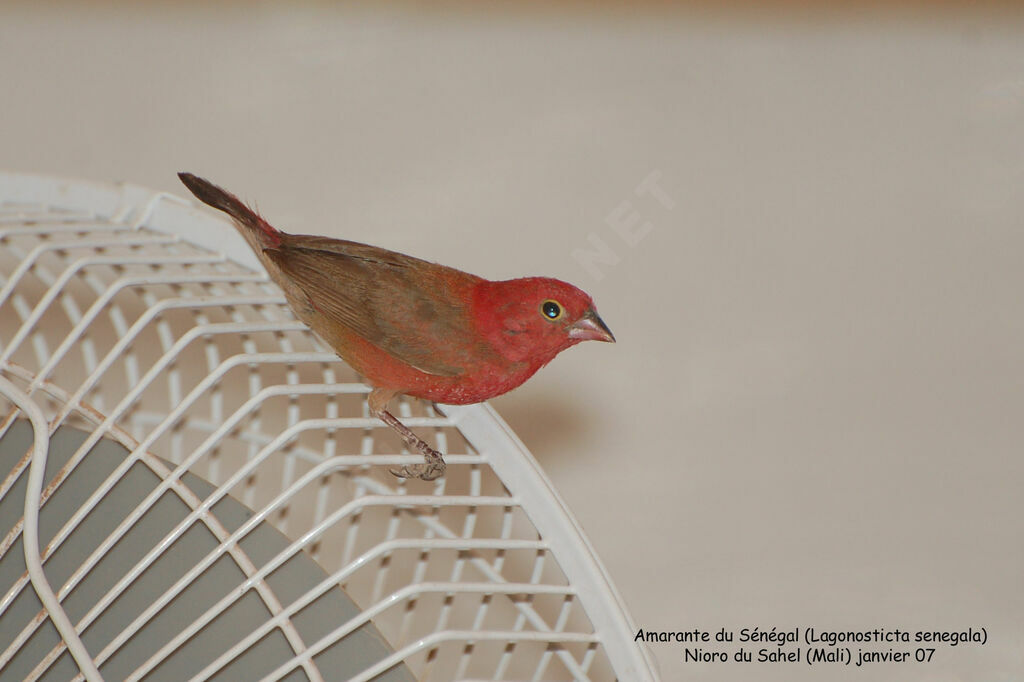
(408, 307)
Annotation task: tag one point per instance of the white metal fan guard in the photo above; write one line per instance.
(28, 202)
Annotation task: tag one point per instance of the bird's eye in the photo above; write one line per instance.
(551, 310)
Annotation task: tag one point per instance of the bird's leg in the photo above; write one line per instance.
(434, 465)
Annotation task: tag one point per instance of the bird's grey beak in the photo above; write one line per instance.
(590, 327)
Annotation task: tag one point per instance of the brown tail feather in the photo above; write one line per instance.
(221, 199)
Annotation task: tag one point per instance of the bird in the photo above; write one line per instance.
(412, 327)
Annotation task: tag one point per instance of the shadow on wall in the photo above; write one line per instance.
(549, 422)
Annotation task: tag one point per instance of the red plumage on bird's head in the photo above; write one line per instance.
(533, 319)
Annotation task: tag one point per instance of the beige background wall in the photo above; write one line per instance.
(813, 414)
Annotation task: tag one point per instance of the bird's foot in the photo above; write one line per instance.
(432, 468)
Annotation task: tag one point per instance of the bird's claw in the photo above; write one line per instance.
(427, 471)
(432, 468)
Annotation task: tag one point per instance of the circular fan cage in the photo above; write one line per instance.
(193, 487)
